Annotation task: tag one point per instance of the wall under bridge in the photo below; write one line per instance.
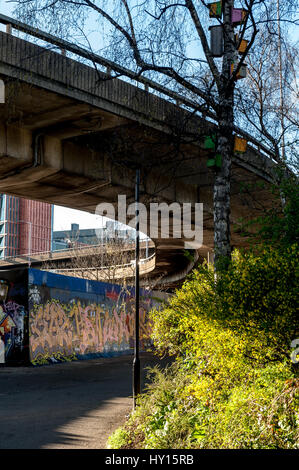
(60, 318)
(14, 347)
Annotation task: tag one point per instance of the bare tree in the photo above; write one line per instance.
(268, 103)
(167, 40)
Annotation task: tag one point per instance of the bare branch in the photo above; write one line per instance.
(204, 42)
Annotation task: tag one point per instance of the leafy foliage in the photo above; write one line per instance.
(233, 384)
(279, 225)
(283, 229)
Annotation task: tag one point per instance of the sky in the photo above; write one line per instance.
(63, 218)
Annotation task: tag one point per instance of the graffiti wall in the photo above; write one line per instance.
(14, 319)
(74, 318)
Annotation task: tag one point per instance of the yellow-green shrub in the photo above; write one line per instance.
(256, 298)
(233, 384)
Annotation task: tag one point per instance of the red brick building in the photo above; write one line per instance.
(25, 226)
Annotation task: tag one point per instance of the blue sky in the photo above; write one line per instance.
(5, 7)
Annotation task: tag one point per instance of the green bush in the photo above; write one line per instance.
(233, 384)
(256, 297)
(281, 227)
(118, 439)
(278, 224)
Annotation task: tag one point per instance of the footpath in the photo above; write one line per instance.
(74, 405)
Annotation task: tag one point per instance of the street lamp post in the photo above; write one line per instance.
(30, 243)
(136, 361)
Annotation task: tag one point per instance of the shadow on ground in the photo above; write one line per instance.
(69, 405)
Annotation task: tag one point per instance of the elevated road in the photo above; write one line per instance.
(89, 262)
(67, 254)
(71, 135)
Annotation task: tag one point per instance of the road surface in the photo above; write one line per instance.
(74, 405)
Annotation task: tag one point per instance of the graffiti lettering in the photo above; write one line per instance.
(60, 330)
(50, 331)
(12, 328)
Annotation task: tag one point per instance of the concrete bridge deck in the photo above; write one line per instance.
(70, 135)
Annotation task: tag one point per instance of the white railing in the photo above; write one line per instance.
(118, 271)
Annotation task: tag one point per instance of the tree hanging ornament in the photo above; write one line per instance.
(216, 40)
(215, 162)
(242, 73)
(238, 16)
(215, 9)
(210, 142)
(240, 144)
(242, 46)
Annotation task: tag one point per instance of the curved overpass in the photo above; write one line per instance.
(61, 261)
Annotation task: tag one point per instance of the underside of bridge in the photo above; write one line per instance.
(70, 135)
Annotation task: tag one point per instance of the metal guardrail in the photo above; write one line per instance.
(110, 65)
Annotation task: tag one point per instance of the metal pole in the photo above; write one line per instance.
(136, 361)
(29, 242)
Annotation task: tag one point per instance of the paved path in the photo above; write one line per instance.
(73, 405)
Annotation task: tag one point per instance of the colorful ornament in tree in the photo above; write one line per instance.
(210, 142)
(217, 42)
(240, 145)
(215, 9)
(242, 46)
(238, 15)
(215, 162)
(242, 73)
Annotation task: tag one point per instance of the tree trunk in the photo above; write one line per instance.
(222, 246)
(222, 183)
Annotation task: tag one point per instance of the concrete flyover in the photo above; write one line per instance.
(71, 135)
(84, 261)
